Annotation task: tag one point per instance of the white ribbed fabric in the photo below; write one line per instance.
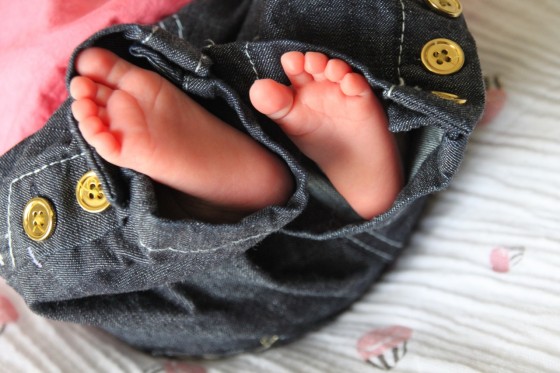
(479, 286)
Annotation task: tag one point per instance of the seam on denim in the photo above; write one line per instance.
(388, 241)
(370, 249)
(136, 258)
(179, 25)
(32, 256)
(251, 60)
(204, 251)
(162, 25)
(187, 83)
(399, 60)
(402, 43)
(10, 197)
(147, 38)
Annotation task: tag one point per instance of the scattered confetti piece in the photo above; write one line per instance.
(8, 313)
(503, 258)
(384, 347)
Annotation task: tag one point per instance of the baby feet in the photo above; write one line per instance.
(333, 117)
(136, 119)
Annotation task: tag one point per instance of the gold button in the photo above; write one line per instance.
(89, 193)
(38, 219)
(443, 56)
(450, 97)
(451, 8)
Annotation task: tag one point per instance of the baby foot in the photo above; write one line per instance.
(333, 117)
(136, 119)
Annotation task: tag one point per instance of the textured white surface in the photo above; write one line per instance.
(465, 317)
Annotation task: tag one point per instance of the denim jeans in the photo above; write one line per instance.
(186, 287)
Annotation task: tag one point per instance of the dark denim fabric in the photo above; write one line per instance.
(186, 287)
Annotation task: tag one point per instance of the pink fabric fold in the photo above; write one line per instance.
(37, 39)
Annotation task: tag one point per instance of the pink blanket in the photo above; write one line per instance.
(37, 39)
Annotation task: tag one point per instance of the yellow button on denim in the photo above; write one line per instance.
(39, 219)
(451, 8)
(90, 195)
(442, 56)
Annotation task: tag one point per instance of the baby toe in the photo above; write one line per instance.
(90, 127)
(102, 94)
(315, 64)
(354, 84)
(82, 87)
(336, 70)
(292, 62)
(293, 65)
(84, 108)
(271, 98)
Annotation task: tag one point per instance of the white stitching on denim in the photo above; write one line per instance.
(35, 261)
(390, 93)
(199, 63)
(399, 62)
(380, 254)
(10, 197)
(147, 38)
(251, 60)
(402, 43)
(203, 251)
(162, 25)
(179, 25)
